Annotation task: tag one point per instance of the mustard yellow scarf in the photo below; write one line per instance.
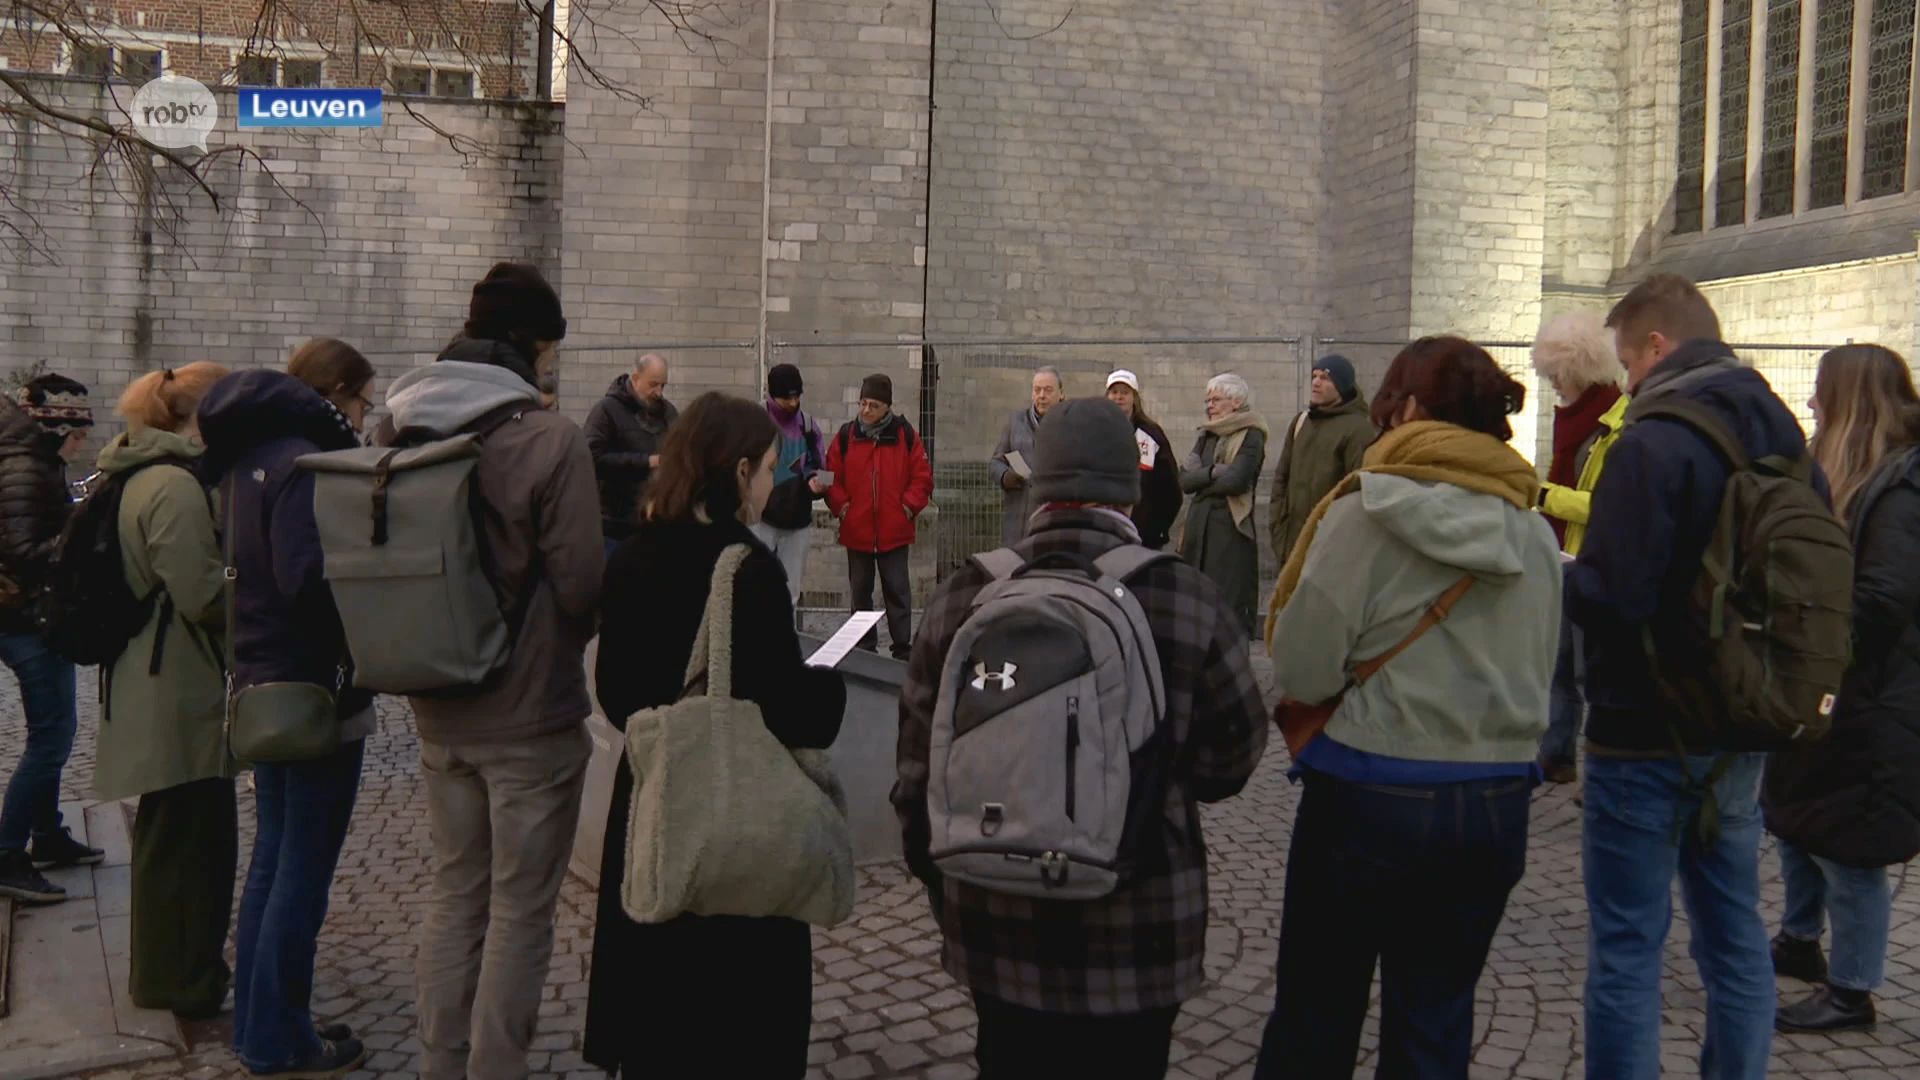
(1431, 452)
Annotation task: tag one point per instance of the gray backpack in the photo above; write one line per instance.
(402, 529)
(1046, 736)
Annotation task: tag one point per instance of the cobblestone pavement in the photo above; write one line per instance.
(883, 1007)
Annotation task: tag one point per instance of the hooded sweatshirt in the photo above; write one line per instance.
(1474, 688)
(536, 476)
(256, 426)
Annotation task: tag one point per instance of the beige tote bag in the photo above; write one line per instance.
(724, 819)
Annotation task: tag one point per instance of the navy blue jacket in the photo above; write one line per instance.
(1653, 512)
(256, 424)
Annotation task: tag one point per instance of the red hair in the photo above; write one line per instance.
(166, 399)
(1453, 381)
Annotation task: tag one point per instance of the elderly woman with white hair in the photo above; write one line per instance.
(1221, 475)
(1575, 353)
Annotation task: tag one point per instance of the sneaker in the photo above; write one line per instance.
(21, 881)
(1798, 959)
(336, 1033)
(1829, 1009)
(52, 851)
(334, 1059)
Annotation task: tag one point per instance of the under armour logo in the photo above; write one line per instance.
(1001, 680)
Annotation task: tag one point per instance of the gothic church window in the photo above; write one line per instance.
(1736, 53)
(1780, 113)
(1889, 90)
(1832, 80)
(1790, 106)
(1687, 200)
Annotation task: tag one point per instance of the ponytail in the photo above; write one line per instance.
(166, 399)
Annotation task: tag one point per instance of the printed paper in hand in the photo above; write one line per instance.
(825, 478)
(1566, 558)
(1019, 465)
(844, 639)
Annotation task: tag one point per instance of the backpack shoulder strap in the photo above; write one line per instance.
(1001, 563)
(1701, 419)
(846, 433)
(1127, 561)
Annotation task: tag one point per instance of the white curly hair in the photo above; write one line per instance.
(1576, 350)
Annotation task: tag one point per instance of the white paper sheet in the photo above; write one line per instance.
(844, 639)
(1019, 465)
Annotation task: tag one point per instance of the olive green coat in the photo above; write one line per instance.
(1322, 447)
(163, 730)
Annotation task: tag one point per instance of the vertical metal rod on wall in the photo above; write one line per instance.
(766, 197)
(543, 64)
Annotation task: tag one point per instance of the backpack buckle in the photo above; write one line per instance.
(1053, 868)
(992, 816)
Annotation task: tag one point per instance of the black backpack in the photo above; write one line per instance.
(84, 610)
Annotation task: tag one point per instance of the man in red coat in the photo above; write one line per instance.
(881, 482)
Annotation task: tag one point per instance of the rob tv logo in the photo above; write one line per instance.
(262, 107)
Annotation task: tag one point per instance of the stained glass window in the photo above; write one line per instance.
(1736, 59)
(1832, 83)
(1687, 197)
(1889, 87)
(1780, 113)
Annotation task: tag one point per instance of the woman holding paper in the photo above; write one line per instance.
(657, 987)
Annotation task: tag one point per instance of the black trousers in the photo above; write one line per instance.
(1022, 1044)
(186, 848)
(891, 567)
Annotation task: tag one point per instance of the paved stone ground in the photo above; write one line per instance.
(884, 1009)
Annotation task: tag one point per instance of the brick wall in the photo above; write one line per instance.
(377, 238)
(357, 42)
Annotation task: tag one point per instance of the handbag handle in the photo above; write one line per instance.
(713, 645)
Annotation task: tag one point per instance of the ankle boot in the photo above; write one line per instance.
(1831, 1008)
(1798, 959)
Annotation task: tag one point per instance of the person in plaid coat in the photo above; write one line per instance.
(1091, 988)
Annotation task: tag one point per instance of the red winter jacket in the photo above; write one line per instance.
(879, 485)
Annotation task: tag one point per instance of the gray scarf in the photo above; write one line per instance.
(871, 432)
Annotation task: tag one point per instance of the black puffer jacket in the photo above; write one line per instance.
(1855, 799)
(34, 504)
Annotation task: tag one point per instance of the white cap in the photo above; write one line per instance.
(1123, 376)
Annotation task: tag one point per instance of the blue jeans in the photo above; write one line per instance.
(1861, 903)
(47, 696)
(1631, 855)
(1567, 712)
(1413, 879)
(304, 810)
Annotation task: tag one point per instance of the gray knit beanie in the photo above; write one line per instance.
(1085, 452)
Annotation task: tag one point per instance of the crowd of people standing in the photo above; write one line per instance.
(1447, 630)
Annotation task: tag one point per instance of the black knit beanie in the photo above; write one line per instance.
(1086, 453)
(783, 381)
(515, 299)
(1340, 372)
(877, 388)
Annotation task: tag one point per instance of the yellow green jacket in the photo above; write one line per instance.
(1574, 505)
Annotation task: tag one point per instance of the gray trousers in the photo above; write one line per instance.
(790, 546)
(891, 568)
(502, 817)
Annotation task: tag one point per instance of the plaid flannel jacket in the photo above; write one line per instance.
(1141, 947)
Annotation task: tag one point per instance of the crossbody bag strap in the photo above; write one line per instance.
(229, 575)
(1435, 615)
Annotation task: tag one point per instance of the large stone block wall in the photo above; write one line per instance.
(1480, 194)
(375, 236)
